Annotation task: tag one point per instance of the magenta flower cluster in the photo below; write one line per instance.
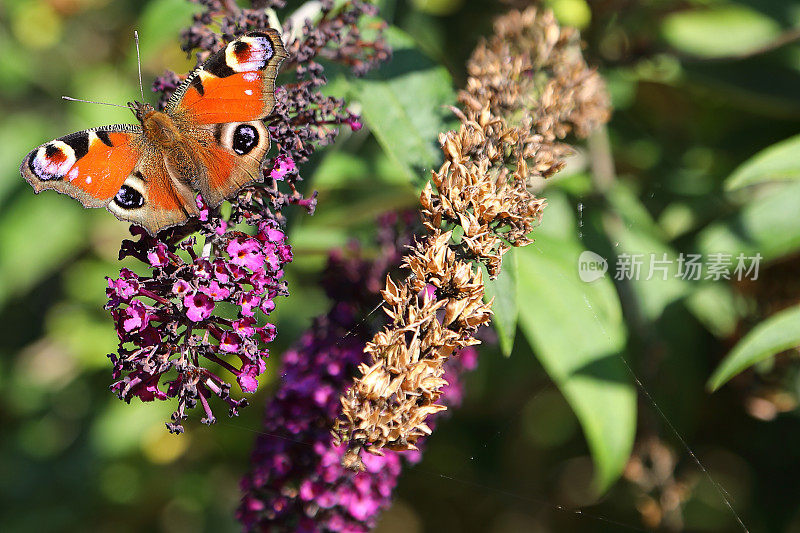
(198, 313)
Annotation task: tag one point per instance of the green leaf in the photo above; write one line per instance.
(345, 207)
(121, 428)
(779, 162)
(505, 308)
(559, 220)
(659, 283)
(722, 31)
(18, 67)
(715, 305)
(339, 168)
(768, 225)
(575, 13)
(755, 84)
(403, 104)
(624, 202)
(577, 332)
(772, 336)
(317, 239)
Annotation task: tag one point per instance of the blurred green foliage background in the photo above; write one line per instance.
(699, 158)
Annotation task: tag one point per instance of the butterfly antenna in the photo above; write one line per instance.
(139, 61)
(90, 101)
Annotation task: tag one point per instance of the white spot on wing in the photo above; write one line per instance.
(248, 92)
(88, 180)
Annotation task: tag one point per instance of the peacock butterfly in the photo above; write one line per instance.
(210, 139)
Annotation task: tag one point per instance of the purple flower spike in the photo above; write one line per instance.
(328, 496)
(141, 385)
(125, 287)
(246, 253)
(244, 326)
(248, 378)
(248, 301)
(267, 306)
(201, 205)
(221, 272)
(169, 322)
(135, 317)
(215, 291)
(273, 234)
(181, 288)
(230, 342)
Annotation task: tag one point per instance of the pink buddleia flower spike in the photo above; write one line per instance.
(168, 322)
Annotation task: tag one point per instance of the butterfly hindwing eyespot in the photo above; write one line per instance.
(129, 198)
(241, 138)
(245, 138)
(130, 194)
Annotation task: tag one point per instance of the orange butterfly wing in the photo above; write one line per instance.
(236, 84)
(228, 96)
(88, 165)
(106, 167)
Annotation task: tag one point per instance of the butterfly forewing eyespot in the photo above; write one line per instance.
(52, 161)
(249, 53)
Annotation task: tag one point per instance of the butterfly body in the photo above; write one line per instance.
(209, 140)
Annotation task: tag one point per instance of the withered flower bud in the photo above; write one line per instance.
(528, 88)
